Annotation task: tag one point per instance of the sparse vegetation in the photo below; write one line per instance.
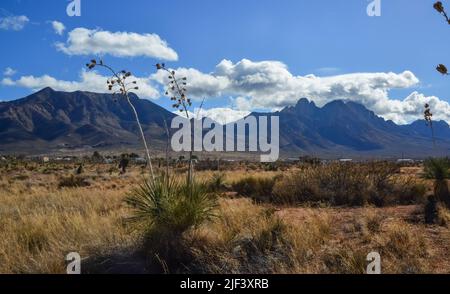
(176, 233)
(72, 181)
(336, 184)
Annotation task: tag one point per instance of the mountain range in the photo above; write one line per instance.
(49, 121)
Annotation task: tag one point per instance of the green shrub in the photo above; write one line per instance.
(217, 183)
(164, 209)
(438, 169)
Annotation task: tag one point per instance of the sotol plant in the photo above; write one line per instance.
(176, 89)
(438, 169)
(165, 208)
(120, 83)
(441, 68)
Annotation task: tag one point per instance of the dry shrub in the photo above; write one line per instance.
(251, 239)
(370, 223)
(347, 184)
(345, 260)
(443, 215)
(405, 250)
(257, 188)
(73, 182)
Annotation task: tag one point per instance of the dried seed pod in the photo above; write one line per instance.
(439, 7)
(442, 69)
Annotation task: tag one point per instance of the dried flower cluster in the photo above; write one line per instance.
(442, 69)
(119, 83)
(176, 89)
(440, 8)
(428, 115)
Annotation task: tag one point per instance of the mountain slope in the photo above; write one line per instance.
(350, 129)
(50, 120)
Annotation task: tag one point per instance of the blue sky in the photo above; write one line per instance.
(272, 48)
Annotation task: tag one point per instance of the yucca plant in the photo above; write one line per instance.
(438, 169)
(217, 183)
(120, 85)
(165, 208)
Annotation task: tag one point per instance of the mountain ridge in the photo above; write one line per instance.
(53, 121)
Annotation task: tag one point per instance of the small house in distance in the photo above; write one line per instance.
(345, 160)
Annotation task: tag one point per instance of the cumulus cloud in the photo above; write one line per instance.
(201, 85)
(270, 85)
(222, 115)
(89, 81)
(8, 72)
(58, 27)
(14, 22)
(82, 41)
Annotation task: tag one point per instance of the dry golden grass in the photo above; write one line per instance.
(41, 223)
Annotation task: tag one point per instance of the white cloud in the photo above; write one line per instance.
(7, 82)
(82, 41)
(59, 27)
(201, 85)
(222, 115)
(8, 72)
(89, 81)
(270, 85)
(14, 23)
(243, 104)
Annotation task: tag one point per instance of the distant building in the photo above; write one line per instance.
(405, 161)
(345, 160)
(292, 159)
(45, 159)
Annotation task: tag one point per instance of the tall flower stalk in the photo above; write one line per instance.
(176, 88)
(428, 116)
(439, 7)
(119, 84)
